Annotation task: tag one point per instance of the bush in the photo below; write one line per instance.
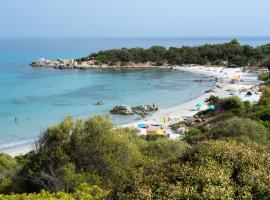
(81, 151)
(210, 170)
(161, 149)
(212, 100)
(233, 104)
(264, 76)
(84, 191)
(195, 134)
(91, 151)
(239, 129)
(265, 98)
(8, 170)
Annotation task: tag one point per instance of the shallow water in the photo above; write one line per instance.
(39, 97)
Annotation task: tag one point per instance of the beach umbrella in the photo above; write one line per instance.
(142, 125)
(199, 105)
(211, 107)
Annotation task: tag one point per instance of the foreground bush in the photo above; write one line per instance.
(91, 151)
(8, 170)
(210, 170)
(84, 192)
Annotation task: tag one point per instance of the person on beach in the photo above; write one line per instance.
(16, 120)
(100, 103)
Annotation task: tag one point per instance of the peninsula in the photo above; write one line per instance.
(231, 54)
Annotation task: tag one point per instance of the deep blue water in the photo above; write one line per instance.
(40, 97)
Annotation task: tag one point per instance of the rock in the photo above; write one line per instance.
(122, 110)
(210, 90)
(139, 110)
(87, 64)
(181, 130)
(144, 109)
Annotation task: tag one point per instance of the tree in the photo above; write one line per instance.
(234, 42)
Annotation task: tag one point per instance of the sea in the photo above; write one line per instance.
(32, 99)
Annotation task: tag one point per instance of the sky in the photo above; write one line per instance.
(134, 18)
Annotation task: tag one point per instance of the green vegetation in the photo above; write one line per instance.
(84, 191)
(264, 76)
(232, 53)
(240, 129)
(210, 170)
(224, 156)
(92, 153)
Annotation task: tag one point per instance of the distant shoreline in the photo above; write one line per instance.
(87, 65)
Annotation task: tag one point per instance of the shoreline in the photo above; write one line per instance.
(180, 111)
(186, 109)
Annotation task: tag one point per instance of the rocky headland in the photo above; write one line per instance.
(89, 64)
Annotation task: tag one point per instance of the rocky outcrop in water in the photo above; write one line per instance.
(144, 109)
(139, 110)
(122, 110)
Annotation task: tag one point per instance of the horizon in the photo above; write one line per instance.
(134, 37)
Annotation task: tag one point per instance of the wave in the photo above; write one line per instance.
(16, 144)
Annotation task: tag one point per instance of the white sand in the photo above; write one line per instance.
(186, 109)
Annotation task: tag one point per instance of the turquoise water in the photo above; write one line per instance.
(40, 97)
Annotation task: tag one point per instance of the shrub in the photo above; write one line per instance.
(265, 98)
(233, 104)
(264, 76)
(212, 100)
(210, 170)
(84, 191)
(163, 148)
(8, 170)
(239, 129)
(195, 134)
(81, 151)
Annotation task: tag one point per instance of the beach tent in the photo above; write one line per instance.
(153, 130)
(249, 94)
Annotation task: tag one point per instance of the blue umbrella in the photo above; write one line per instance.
(211, 107)
(200, 105)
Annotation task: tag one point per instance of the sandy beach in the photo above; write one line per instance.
(222, 89)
